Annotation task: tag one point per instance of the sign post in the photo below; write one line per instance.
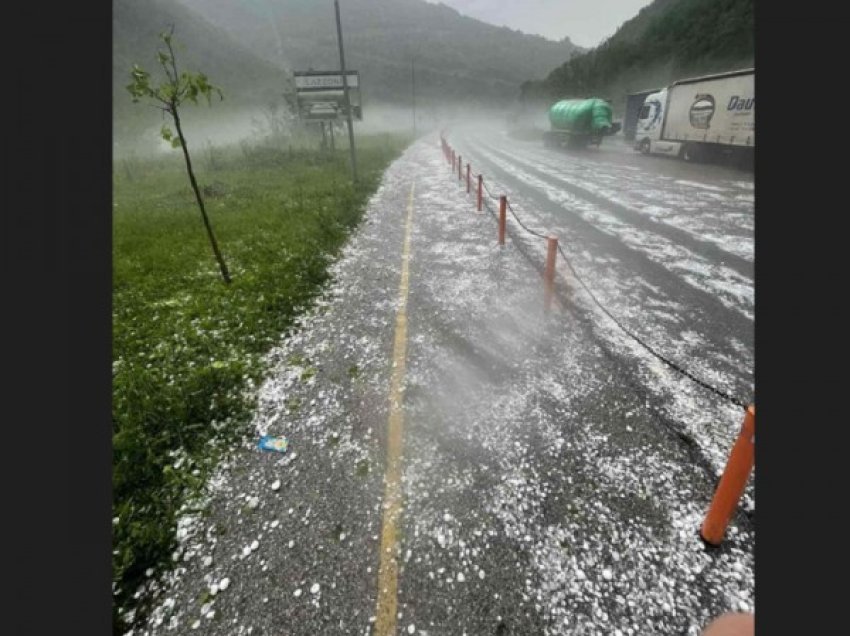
(345, 91)
(320, 95)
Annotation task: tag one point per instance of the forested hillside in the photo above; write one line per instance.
(666, 40)
(455, 57)
(250, 49)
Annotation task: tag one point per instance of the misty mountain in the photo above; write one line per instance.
(199, 46)
(665, 41)
(455, 57)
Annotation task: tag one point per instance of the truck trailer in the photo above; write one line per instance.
(577, 123)
(701, 118)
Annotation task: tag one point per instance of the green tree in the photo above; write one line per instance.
(168, 97)
(664, 41)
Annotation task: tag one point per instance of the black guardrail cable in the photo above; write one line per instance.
(510, 207)
(673, 365)
(522, 225)
(670, 363)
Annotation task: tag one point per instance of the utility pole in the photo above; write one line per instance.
(345, 92)
(413, 91)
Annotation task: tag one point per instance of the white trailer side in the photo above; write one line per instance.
(716, 109)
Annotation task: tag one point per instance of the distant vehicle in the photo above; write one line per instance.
(577, 123)
(702, 118)
(634, 103)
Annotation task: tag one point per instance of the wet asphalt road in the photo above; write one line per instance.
(554, 476)
(667, 246)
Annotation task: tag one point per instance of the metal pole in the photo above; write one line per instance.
(345, 92)
(331, 126)
(413, 90)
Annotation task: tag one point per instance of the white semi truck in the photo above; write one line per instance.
(701, 118)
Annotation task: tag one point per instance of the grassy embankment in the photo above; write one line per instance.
(187, 349)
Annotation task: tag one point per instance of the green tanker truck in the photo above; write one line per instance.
(577, 123)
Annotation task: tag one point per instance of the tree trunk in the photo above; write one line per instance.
(221, 264)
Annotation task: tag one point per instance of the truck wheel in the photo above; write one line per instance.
(643, 147)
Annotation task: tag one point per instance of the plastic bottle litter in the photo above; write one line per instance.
(275, 444)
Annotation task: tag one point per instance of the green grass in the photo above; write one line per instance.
(187, 349)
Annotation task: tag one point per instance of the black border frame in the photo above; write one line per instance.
(800, 175)
(57, 319)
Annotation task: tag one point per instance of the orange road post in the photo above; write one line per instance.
(480, 191)
(732, 483)
(549, 273)
(503, 218)
(468, 182)
(459, 168)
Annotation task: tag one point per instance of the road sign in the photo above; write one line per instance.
(320, 95)
(324, 80)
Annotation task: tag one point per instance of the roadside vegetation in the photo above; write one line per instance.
(188, 349)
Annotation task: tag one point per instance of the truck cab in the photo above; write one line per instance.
(649, 124)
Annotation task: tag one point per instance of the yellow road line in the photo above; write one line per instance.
(385, 621)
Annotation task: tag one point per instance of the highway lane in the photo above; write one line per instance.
(667, 246)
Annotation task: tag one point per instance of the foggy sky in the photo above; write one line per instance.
(586, 22)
